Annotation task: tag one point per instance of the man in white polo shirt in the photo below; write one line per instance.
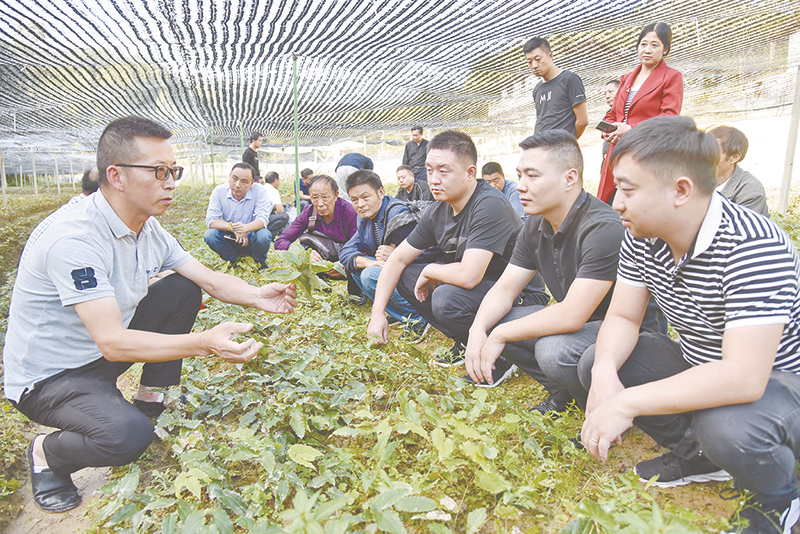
(279, 217)
(725, 398)
(83, 310)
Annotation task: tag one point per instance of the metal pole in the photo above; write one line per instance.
(72, 175)
(786, 184)
(202, 163)
(296, 140)
(35, 185)
(213, 160)
(241, 135)
(3, 174)
(58, 181)
(21, 178)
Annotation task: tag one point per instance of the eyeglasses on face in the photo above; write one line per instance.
(162, 172)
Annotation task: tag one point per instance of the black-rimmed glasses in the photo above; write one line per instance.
(162, 172)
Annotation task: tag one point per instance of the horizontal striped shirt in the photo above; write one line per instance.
(742, 270)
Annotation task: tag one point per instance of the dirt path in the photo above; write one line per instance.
(31, 520)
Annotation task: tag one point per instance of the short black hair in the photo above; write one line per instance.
(118, 144)
(405, 168)
(306, 172)
(458, 143)
(243, 165)
(615, 81)
(324, 178)
(733, 141)
(536, 42)
(672, 146)
(492, 168)
(255, 135)
(90, 182)
(561, 146)
(663, 31)
(271, 176)
(417, 129)
(362, 177)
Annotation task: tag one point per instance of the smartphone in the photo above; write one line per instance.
(605, 127)
(229, 236)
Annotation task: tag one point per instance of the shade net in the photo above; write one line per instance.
(213, 70)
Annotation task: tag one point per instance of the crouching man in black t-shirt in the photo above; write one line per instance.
(572, 239)
(476, 228)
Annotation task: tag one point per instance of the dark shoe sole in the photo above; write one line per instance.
(446, 364)
(499, 380)
(72, 499)
(717, 476)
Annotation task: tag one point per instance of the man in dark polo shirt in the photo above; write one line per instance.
(572, 239)
(475, 227)
(415, 153)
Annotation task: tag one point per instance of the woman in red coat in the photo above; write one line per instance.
(652, 89)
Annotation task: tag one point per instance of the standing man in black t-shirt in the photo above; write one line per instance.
(475, 227)
(560, 98)
(250, 156)
(415, 153)
(573, 240)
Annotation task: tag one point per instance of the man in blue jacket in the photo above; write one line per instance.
(367, 251)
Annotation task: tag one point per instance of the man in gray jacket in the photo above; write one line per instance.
(733, 182)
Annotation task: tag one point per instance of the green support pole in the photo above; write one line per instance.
(296, 141)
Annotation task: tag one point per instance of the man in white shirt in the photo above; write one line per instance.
(279, 218)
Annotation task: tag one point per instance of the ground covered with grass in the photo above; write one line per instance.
(324, 433)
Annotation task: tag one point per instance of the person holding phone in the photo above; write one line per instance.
(650, 90)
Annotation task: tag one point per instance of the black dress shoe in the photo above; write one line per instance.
(52, 492)
(151, 409)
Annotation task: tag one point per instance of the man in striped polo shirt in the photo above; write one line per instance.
(725, 399)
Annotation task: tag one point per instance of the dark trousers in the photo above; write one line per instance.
(98, 427)
(452, 309)
(421, 174)
(757, 442)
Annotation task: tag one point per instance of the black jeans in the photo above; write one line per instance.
(98, 427)
(452, 309)
(756, 442)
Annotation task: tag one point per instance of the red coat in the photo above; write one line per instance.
(660, 94)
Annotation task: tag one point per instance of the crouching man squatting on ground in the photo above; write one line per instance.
(725, 399)
(83, 310)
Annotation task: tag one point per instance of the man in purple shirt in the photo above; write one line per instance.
(333, 217)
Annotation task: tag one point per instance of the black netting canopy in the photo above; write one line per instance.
(214, 69)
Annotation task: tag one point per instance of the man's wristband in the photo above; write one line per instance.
(230, 226)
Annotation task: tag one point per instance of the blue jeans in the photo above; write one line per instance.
(552, 360)
(257, 246)
(757, 443)
(398, 307)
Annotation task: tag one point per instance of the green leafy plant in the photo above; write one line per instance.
(323, 432)
(302, 270)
